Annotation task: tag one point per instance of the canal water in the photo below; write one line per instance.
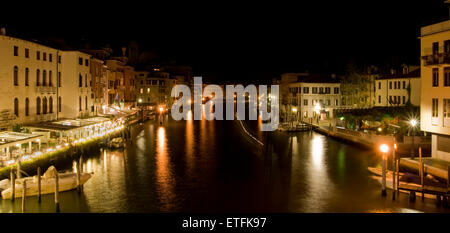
(212, 166)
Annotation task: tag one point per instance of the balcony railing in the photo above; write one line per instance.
(46, 117)
(46, 90)
(436, 59)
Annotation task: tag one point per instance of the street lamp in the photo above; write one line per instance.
(384, 149)
(413, 123)
(317, 108)
(294, 110)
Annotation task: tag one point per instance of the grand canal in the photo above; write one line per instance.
(211, 166)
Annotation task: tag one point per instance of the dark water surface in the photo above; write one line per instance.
(211, 166)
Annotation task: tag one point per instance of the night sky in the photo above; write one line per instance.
(244, 41)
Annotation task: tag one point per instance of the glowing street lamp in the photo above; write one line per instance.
(413, 124)
(384, 149)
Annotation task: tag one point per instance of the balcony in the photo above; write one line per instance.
(46, 90)
(436, 59)
(46, 117)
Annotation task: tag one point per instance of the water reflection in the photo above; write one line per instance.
(164, 177)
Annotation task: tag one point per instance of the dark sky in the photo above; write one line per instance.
(248, 40)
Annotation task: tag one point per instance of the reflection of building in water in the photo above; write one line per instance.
(164, 175)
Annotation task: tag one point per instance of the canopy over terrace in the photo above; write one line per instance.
(10, 139)
(70, 128)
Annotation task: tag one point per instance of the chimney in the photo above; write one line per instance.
(3, 31)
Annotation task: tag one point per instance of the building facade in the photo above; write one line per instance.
(311, 97)
(28, 72)
(153, 89)
(398, 90)
(435, 86)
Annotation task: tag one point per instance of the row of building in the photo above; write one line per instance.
(303, 94)
(41, 83)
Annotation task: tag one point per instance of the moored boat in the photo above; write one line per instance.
(66, 181)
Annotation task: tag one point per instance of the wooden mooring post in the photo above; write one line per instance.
(57, 192)
(78, 177)
(13, 185)
(421, 166)
(19, 168)
(39, 183)
(393, 169)
(24, 194)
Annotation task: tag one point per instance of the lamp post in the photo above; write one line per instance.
(317, 108)
(384, 149)
(294, 110)
(413, 124)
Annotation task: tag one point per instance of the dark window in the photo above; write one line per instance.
(447, 76)
(16, 51)
(59, 104)
(16, 76)
(38, 82)
(435, 107)
(435, 77)
(44, 105)
(27, 107)
(50, 104)
(16, 107)
(305, 90)
(27, 74)
(447, 46)
(59, 79)
(44, 78)
(435, 48)
(38, 105)
(50, 81)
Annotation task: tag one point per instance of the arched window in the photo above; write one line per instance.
(80, 81)
(27, 107)
(16, 107)
(85, 103)
(44, 105)
(16, 76)
(44, 78)
(50, 104)
(38, 105)
(27, 72)
(50, 81)
(79, 102)
(38, 79)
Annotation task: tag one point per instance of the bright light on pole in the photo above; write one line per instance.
(384, 149)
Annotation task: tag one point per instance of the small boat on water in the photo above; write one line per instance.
(116, 143)
(405, 179)
(67, 181)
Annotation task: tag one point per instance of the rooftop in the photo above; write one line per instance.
(435, 28)
(412, 74)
